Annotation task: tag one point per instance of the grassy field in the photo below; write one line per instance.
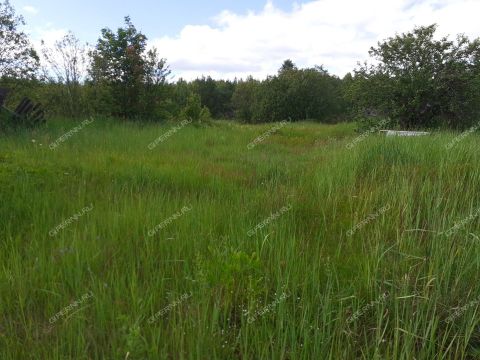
(313, 244)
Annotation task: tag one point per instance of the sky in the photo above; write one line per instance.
(227, 39)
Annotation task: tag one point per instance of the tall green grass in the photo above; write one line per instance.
(302, 287)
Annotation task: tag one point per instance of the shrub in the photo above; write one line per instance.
(194, 110)
(420, 81)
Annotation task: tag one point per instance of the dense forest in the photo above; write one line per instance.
(414, 79)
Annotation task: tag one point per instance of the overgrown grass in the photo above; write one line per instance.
(332, 277)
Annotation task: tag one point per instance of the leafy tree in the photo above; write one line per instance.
(206, 88)
(194, 111)
(288, 65)
(216, 95)
(296, 94)
(155, 91)
(245, 99)
(67, 66)
(18, 59)
(225, 90)
(182, 91)
(121, 61)
(420, 81)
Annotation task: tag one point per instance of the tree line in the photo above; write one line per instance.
(414, 79)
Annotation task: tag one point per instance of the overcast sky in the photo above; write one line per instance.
(227, 38)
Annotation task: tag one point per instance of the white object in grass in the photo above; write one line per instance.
(403, 133)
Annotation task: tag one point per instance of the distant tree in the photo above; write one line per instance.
(245, 99)
(296, 94)
(121, 61)
(18, 59)
(319, 95)
(287, 65)
(420, 81)
(67, 65)
(225, 90)
(206, 88)
(194, 110)
(346, 85)
(154, 92)
(156, 68)
(182, 91)
(216, 95)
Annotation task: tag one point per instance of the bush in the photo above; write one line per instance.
(421, 82)
(194, 110)
(298, 94)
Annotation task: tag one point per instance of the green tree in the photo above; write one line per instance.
(155, 90)
(216, 95)
(245, 99)
(288, 65)
(18, 59)
(67, 65)
(420, 81)
(194, 110)
(297, 94)
(121, 61)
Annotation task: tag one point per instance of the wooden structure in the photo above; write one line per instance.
(3, 95)
(26, 113)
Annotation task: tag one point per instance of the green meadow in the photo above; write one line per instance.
(312, 244)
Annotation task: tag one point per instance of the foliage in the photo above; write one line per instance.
(216, 95)
(18, 59)
(420, 81)
(121, 61)
(297, 94)
(226, 270)
(415, 81)
(305, 253)
(245, 99)
(194, 110)
(67, 64)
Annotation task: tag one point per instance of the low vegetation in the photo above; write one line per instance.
(302, 247)
(237, 219)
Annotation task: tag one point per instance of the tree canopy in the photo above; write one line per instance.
(18, 59)
(121, 61)
(416, 79)
(421, 81)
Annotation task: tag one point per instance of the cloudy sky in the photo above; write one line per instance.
(227, 38)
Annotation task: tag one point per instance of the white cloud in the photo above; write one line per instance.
(30, 9)
(49, 35)
(335, 33)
